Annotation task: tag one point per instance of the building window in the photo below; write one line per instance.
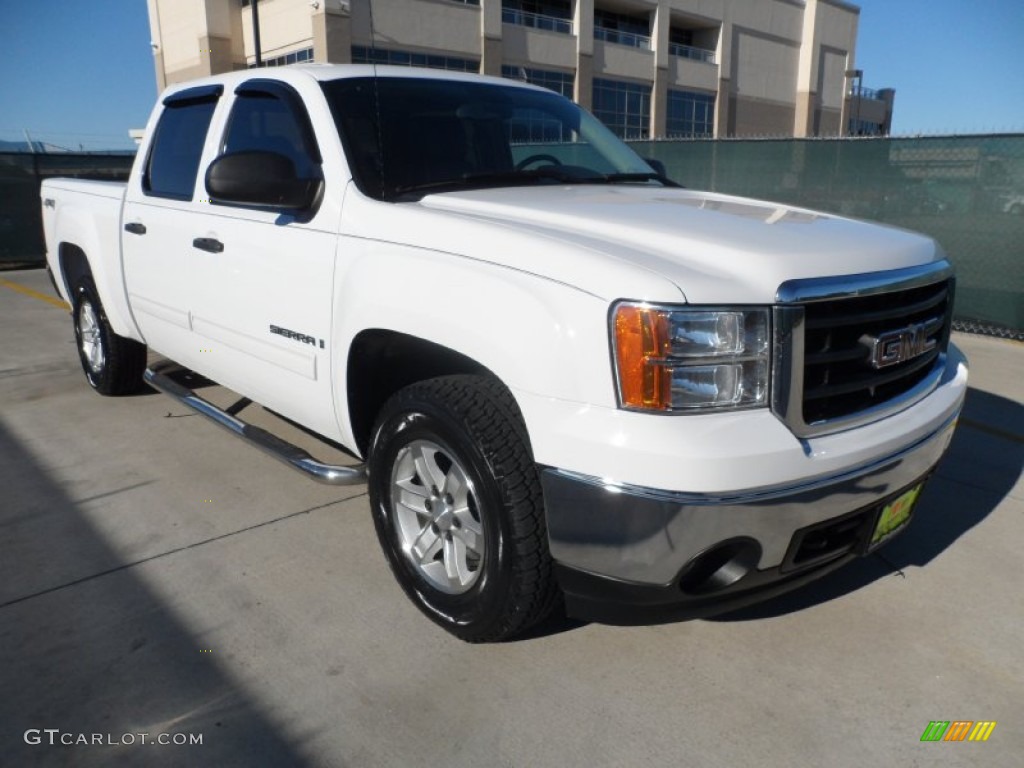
(550, 15)
(624, 107)
(295, 57)
(559, 82)
(364, 55)
(621, 29)
(690, 115)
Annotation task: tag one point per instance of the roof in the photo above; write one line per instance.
(293, 73)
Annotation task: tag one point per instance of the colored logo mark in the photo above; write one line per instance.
(958, 730)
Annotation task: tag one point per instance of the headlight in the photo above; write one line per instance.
(690, 359)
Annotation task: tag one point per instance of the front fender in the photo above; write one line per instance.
(536, 335)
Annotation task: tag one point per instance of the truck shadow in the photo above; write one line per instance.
(87, 647)
(982, 466)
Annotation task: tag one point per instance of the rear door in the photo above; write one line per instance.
(157, 236)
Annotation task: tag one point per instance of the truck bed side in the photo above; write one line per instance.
(82, 225)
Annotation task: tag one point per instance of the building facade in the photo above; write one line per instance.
(647, 68)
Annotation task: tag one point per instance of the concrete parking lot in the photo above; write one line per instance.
(157, 576)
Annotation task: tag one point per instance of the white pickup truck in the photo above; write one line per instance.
(567, 376)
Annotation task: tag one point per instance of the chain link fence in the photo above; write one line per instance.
(966, 191)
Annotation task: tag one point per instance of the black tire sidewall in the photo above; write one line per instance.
(474, 612)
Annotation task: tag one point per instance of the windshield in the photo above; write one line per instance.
(406, 137)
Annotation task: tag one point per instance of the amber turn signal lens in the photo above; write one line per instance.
(641, 342)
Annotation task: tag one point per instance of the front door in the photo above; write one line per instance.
(262, 280)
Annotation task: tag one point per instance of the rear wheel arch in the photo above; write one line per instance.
(112, 364)
(74, 264)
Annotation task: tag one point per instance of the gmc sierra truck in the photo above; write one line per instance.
(563, 376)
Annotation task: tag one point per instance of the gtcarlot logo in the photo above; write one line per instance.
(55, 737)
(958, 730)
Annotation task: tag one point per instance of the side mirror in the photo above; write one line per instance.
(262, 179)
(657, 165)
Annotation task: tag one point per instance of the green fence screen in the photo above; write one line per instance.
(21, 220)
(966, 192)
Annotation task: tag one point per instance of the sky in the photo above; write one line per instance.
(957, 65)
(80, 74)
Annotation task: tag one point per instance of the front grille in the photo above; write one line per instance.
(854, 349)
(839, 377)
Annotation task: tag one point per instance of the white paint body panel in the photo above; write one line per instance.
(715, 249)
(88, 214)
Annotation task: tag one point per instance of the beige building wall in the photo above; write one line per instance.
(285, 26)
(194, 39)
(537, 48)
(437, 25)
(778, 66)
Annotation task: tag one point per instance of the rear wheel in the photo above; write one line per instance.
(113, 365)
(457, 506)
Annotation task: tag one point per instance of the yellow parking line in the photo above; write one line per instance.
(25, 290)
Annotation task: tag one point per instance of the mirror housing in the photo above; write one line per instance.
(261, 179)
(657, 165)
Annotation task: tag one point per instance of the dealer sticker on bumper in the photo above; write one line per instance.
(895, 515)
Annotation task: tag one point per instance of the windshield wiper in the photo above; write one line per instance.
(614, 178)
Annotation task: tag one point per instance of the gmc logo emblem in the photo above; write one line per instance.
(902, 345)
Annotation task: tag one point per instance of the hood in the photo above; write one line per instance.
(636, 242)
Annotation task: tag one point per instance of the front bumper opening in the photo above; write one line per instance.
(826, 541)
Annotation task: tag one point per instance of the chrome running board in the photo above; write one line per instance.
(158, 377)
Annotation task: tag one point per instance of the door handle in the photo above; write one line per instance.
(135, 228)
(211, 244)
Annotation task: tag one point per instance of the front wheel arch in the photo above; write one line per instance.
(381, 362)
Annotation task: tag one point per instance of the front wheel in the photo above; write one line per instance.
(457, 505)
(113, 365)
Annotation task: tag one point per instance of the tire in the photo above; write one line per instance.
(113, 365)
(457, 505)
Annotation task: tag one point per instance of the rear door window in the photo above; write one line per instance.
(178, 143)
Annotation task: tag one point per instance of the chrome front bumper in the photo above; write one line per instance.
(643, 536)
